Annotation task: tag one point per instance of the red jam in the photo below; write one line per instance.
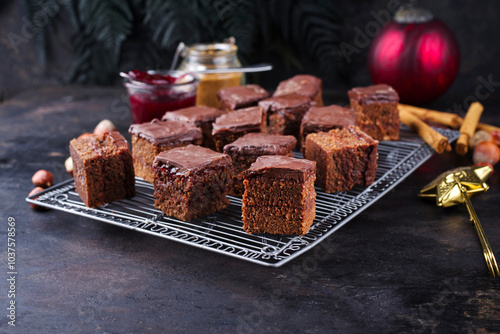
(151, 95)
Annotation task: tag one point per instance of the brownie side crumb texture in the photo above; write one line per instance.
(279, 196)
(151, 138)
(203, 117)
(245, 151)
(232, 98)
(284, 113)
(235, 124)
(376, 109)
(345, 157)
(191, 182)
(323, 119)
(303, 84)
(103, 168)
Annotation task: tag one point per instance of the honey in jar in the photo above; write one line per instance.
(211, 56)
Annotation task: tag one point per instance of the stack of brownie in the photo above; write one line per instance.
(196, 156)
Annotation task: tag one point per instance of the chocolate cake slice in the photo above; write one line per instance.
(245, 150)
(284, 113)
(191, 181)
(279, 195)
(151, 138)
(304, 84)
(103, 168)
(323, 119)
(376, 109)
(345, 157)
(201, 116)
(232, 98)
(235, 124)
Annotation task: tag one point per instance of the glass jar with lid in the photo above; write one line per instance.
(211, 56)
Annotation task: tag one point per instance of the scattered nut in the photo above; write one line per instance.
(478, 137)
(69, 165)
(43, 178)
(104, 126)
(84, 135)
(33, 192)
(486, 152)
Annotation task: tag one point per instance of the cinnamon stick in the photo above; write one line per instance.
(445, 118)
(468, 127)
(436, 140)
(428, 115)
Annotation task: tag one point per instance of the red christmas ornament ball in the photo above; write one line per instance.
(416, 54)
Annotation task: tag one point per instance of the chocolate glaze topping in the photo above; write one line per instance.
(289, 101)
(262, 144)
(375, 93)
(306, 85)
(191, 158)
(235, 96)
(118, 140)
(330, 115)
(239, 119)
(279, 166)
(159, 132)
(193, 114)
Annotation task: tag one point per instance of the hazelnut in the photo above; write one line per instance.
(104, 126)
(43, 178)
(486, 152)
(84, 135)
(478, 137)
(33, 192)
(69, 165)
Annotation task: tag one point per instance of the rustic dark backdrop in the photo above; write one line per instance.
(24, 66)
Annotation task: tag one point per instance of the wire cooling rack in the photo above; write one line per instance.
(222, 232)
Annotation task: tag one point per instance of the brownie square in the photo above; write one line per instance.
(284, 113)
(103, 168)
(151, 138)
(203, 117)
(306, 85)
(232, 98)
(345, 157)
(279, 195)
(323, 119)
(191, 181)
(376, 109)
(235, 124)
(245, 150)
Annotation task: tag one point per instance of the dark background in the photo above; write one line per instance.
(280, 32)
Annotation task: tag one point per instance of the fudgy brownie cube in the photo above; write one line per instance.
(238, 97)
(284, 113)
(103, 169)
(151, 138)
(304, 84)
(203, 117)
(191, 181)
(235, 124)
(345, 157)
(376, 109)
(323, 119)
(279, 195)
(245, 150)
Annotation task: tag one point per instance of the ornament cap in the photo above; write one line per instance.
(408, 13)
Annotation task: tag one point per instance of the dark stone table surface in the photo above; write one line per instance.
(402, 265)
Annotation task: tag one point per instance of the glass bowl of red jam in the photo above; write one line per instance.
(153, 93)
